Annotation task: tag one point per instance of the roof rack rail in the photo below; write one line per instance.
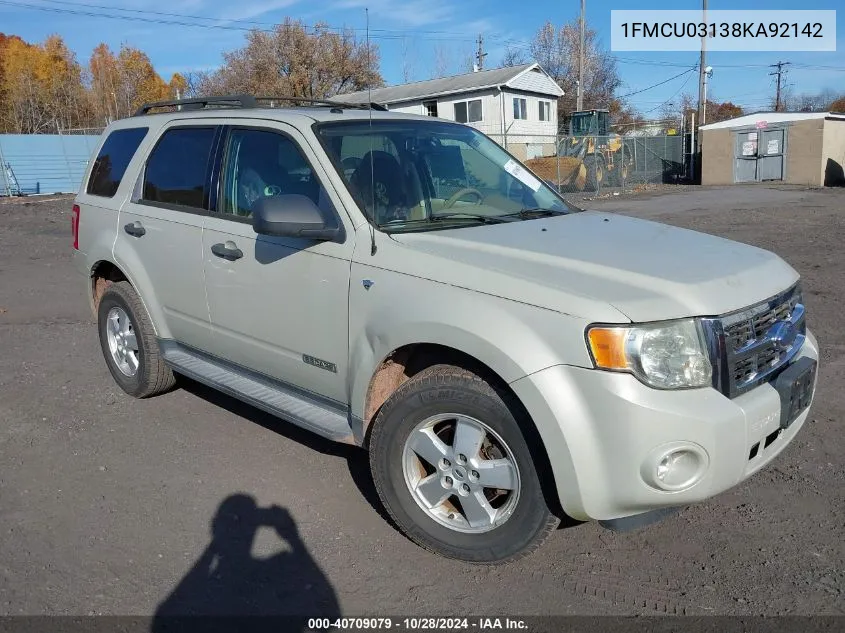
(198, 103)
(326, 102)
(248, 101)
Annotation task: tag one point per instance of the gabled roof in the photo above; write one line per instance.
(469, 82)
(771, 117)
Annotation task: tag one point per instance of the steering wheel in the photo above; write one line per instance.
(460, 194)
(272, 190)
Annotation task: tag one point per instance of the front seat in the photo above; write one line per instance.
(380, 183)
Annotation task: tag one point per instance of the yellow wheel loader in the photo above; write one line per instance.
(591, 154)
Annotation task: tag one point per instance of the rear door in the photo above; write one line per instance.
(159, 236)
(281, 307)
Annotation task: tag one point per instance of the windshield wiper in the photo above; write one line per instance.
(461, 215)
(533, 212)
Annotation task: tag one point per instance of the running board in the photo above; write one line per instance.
(305, 410)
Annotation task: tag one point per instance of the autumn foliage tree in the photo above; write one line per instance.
(41, 86)
(722, 111)
(44, 89)
(291, 61)
(121, 83)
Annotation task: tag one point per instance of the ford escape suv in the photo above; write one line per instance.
(404, 284)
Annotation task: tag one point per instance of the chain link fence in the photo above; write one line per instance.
(601, 164)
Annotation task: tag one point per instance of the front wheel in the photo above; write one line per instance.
(453, 469)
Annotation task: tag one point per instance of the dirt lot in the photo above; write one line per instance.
(106, 503)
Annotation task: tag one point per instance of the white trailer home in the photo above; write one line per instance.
(516, 105)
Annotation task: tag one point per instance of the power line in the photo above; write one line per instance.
(677, 92)
(665, 81)
(96, 11)
(141, 15)
(233, 24)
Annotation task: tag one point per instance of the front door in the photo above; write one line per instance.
(278, 305)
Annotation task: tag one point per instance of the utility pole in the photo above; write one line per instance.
(780, 71)
(480, 54)
(581, 26)
(702, 65)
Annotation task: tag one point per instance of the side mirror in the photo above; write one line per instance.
(292, 215)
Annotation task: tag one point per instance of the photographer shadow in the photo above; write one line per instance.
(228, 586)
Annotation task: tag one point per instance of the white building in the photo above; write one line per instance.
(516, 106)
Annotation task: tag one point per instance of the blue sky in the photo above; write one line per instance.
(414, 33)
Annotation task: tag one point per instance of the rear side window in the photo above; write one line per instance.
(113, 159)
(177, 169)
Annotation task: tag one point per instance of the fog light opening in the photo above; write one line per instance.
(678, 469)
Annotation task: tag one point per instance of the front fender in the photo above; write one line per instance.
(511, 338)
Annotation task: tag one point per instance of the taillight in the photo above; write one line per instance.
(74, 226)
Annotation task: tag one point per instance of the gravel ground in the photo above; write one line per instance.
(107, 503)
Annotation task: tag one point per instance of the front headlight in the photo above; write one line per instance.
(671, 355)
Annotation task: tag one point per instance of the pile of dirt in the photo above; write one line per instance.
(564, 171)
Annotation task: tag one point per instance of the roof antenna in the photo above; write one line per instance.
(372, 161)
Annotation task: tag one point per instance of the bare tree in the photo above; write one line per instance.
(556, 50)
(442, 62)
(515, 56)
(409, 60)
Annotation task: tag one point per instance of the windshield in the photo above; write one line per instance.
(409, 175)
(582, 124)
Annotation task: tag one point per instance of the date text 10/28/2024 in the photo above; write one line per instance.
(417, 624)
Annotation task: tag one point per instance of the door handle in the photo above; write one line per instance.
(227, 251)
(135, 229)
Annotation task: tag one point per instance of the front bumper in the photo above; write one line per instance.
(603, 432)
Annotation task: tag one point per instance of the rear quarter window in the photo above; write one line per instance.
(113, 159)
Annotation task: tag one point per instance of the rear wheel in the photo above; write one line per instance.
(453, 469)
(129, 345)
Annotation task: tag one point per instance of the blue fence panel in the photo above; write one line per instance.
(44, 163)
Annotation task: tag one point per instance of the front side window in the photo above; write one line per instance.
(261, 164)
(177, 169)
(520, 108)
(468, 111)
(113, 159)
(422, 175)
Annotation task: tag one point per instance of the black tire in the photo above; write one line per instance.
(447, 389)
(152, 375)
(596, 173)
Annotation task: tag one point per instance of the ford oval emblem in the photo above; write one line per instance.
(783, 334)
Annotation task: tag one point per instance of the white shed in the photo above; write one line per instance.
(516, 105)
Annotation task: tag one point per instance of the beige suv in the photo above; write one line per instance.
(404, 284)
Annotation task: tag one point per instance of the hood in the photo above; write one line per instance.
(573, 263)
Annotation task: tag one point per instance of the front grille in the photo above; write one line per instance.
(754, 350)
(754, 328)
